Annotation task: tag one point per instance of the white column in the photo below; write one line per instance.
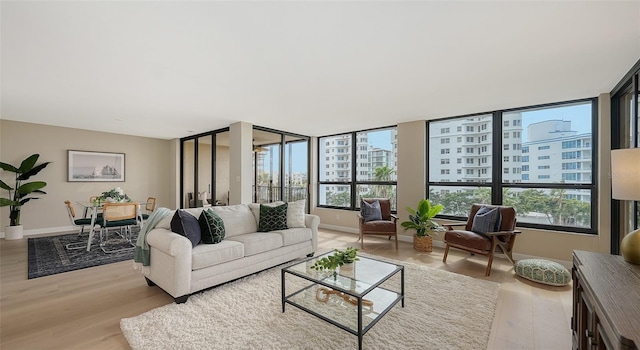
(240, 154)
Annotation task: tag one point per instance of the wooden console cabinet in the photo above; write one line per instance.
(606, 302)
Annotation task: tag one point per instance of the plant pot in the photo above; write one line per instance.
(348, 270)
(423, 244)
(13, 232)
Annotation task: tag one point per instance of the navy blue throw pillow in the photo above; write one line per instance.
(186, 225)
(370, 211)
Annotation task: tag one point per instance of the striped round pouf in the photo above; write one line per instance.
(543, 271)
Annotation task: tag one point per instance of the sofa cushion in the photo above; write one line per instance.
(295, 213)
(370, 211)
(486, 220)
(258, 242)
(186, 225)
(294, 235)
(273, 218)
(205, 255)
(468, 239)
(237, 219)
(255, 209)
(211, 227)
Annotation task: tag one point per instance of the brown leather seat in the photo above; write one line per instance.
(484, 244)
(385, 227)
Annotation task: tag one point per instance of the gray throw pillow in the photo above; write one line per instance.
(186, 225)
(486, 220)
(370, 211)
(211, 227)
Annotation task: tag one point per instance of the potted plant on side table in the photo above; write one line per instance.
(19, 195)
(421, 220)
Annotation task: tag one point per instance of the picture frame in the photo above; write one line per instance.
(90, 166)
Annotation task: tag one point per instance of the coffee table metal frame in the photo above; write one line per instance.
(325, 281)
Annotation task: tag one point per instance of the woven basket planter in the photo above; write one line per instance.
(423, 244)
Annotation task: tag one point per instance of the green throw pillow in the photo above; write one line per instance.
(272, 218)
(211, 226)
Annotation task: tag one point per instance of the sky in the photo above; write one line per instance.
(579, 115)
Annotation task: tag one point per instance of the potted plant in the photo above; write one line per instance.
(421, 220)
(114, 195)
(337, 259)
(19, 194)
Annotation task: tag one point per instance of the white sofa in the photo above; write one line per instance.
(180, 269)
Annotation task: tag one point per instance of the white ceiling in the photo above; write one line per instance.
(171, 69)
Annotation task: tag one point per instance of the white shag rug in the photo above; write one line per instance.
(442, 310)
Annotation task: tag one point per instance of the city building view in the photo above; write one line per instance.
(545, 156)
(375, 167)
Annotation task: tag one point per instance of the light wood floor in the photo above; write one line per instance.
(82, 309)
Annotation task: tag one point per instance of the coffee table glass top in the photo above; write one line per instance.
(363, 280)
(366, 272)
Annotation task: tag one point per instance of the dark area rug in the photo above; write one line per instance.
(49, 255)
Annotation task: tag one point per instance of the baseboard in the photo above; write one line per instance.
(340, 228)
(40, 231)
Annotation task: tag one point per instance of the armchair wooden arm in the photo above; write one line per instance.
(450, 227)
(503, 233)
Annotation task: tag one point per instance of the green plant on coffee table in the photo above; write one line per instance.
(338, 258)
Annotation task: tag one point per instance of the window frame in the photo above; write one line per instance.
(498, 185)
(354, 183)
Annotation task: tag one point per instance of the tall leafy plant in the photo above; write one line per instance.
(20, 193)
(421, 218)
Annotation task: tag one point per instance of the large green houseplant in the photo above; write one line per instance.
(19, 195)
(421, 220)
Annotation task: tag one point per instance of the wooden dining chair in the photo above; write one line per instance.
(121, 216)
(77, 223)
(149, 207)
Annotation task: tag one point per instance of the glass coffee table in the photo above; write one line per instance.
(351, 299)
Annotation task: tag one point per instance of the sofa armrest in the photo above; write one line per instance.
(312, 222)
(169, 242)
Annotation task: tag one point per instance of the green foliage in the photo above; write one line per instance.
(115, 194)
(554, 205)
(421, 218)
(19, 194)
(340, 199)
(338, 258)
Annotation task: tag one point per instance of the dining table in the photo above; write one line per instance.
(93, 208)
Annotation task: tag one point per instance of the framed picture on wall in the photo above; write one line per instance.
(95, 166)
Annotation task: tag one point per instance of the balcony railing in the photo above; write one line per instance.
(271, 193)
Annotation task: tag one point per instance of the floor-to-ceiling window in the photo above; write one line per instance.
(355, 165)
(538, 159)
(281, 166)
(204, 175)
(625, 133)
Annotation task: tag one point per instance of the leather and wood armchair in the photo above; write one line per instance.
(385, 227)
(484, 243)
